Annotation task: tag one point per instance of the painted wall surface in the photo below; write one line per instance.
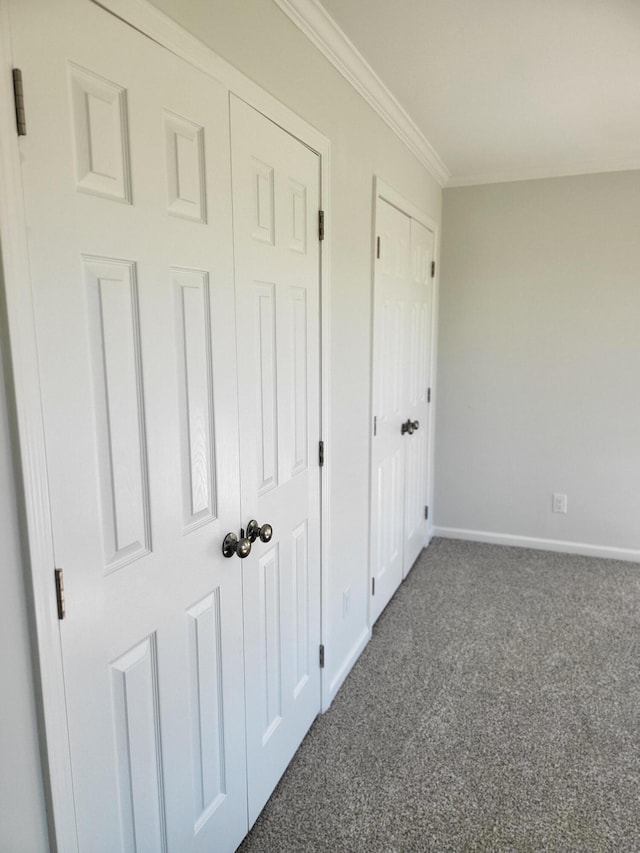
(539, 359)
(23, 827)
(257, 38)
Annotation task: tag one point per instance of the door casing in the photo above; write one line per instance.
(385, 192)
(26, 392)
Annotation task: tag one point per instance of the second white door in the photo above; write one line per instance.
(403, 298)
(275, 204)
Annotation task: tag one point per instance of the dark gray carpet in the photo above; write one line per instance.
(497, 708)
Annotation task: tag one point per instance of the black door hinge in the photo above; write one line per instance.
(62, 610)
(321, 453)
(377, 247)
(428, 395)
(321, 225)
(18, 97)
(321, 656)
(433, 269)
(373, 586)
(426, 512)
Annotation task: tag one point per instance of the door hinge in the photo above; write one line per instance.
(321, 453)
(433, 269)
(321, 656)
(321, 225)
(377, 247)
(62, 610)
(428, 395)
(375, 424)
(18, 97)
(373, 586)
(426, 512)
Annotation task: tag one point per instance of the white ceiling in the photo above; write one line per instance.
(509, 89)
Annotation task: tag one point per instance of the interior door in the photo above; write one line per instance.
(276, 202)
(128, 199)
(403, 305)
(391, 299)
(417, 370)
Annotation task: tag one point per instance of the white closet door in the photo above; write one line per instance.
(276, 201)
(403, 305)
(417, 370)
(126, 180)
(391, 306)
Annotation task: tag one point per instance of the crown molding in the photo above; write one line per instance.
(590, 167)
(316, 23)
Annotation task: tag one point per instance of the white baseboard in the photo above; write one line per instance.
(606, 551)
(345, 669)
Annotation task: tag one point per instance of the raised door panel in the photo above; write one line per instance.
(297, 448)
(194, 368)
(301, 607)
(100, 135)
(266, 385)
(388, 496)
(114, 331)
(270, 593)
(186, 184)
(134, 678)
(391, 395)
(206, 663)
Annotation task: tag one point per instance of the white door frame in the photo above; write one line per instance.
(24, 361)
(385, 192)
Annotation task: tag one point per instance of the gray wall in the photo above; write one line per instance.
(22, 811)
(539, 360)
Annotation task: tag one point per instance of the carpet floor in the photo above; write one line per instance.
(496, 708)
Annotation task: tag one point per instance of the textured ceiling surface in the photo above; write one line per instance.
(504, 89)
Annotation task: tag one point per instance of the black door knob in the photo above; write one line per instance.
(266, 532)
(232, 545)
(410, 427)
(255, 531)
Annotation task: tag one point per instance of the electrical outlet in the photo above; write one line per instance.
(346, 602)
(559, 503)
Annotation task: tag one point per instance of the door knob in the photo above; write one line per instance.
(410, 427)
(232, 545)
(255, 531)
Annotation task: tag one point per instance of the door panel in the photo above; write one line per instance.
(276, 202)
(128, 198)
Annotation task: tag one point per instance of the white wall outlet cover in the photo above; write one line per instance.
(346, 602)
(559, 502)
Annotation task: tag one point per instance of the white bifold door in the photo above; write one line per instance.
(180, 396)
(403, 302)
